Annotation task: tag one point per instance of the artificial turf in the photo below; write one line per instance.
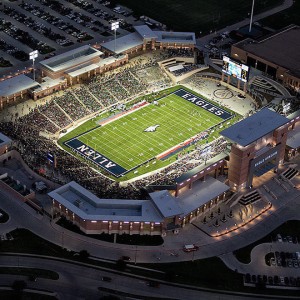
(125, 142)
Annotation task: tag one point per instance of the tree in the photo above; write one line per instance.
(121, 264)
(19, 285)
(84, 254)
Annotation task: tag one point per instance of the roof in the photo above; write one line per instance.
(175, 68)
(293, 138)
(254, 127)
(176, 37)
(282, 48)
(135, 39)
(166, 204)
(48, 83)
(124, 43)
(294, 115)
(82, 69)
(71, 58)
(109, 60)
(16, 84)
(201, 167)
(4, 140)
(145, 32)
(89, 207)
(200, 194)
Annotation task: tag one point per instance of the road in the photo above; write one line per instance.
(80, 282)
(285, 207)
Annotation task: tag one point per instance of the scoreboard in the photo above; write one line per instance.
(235, 69)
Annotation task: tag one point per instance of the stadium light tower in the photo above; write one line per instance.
(251, 17)
(33, 55)
(115, 26)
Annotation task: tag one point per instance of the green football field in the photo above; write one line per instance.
(125, 142)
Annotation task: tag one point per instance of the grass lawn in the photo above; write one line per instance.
(210, 272)
(39, 273)
(126, 141)
(12, 295)
(196, 15)
(26, 242)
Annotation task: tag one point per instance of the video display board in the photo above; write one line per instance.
(235, 69)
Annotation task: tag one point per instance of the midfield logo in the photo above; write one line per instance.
(151, 128)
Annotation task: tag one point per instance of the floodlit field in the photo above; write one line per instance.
(136, 137)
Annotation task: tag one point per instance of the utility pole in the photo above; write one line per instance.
(251, 17)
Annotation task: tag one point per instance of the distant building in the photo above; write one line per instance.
(276, 55)
(144, 38)
(15, 88)
(59, 65)
(80, 63)
(57, 73)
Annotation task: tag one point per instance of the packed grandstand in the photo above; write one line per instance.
(142, 76)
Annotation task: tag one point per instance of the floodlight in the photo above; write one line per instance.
(32, 56)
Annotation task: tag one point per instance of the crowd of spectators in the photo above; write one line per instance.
(74, 109)
(185, 69)
(34, 149)
(38, 121)
(102, 92)
(87, 98)
(179, 52)
(184, 163)
(55, 114)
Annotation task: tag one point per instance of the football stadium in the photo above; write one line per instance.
(144, 138)
(149, 131)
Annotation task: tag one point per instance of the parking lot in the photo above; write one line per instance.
(219, 45)
(284, 259)
(53, 27)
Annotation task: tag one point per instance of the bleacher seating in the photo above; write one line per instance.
(250, 198)
(290, 173)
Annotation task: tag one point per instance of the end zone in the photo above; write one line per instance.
(97, 158)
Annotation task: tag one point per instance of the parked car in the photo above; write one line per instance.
(190, 248)
(153, 283)
(106, 278)
(124, 257)
(279, 238)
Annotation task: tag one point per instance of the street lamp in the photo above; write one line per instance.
(32, 56)
(115, 26)
(251, 17)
